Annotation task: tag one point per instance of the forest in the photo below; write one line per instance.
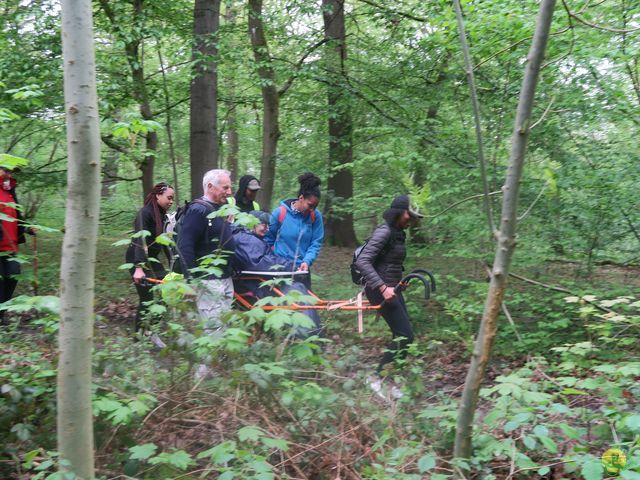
(512, 125)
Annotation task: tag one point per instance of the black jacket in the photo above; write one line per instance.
(382, 257)
(200, 236)
(145, 220)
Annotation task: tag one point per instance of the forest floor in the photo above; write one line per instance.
(339, 429)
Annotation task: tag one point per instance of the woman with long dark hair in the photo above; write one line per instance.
(144, 252)
(296, 231)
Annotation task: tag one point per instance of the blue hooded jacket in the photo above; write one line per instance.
(298, 238)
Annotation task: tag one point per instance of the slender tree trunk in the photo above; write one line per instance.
(109, 173)
(140, 93)
(204, 92)
(133, 48)
(167, 103)
(233, 143)
(476, 113)
(75, 427)
(506, 236)
(339, 225)
(271, 101)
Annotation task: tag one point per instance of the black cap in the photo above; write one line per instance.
(403, 202)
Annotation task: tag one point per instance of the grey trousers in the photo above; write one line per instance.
(214, 298)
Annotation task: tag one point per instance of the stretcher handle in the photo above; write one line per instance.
(432, 279)
(407, 278)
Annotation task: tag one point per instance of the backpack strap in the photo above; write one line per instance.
(283, 213)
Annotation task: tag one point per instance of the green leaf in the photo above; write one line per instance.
(630, 475)
(592, 470)
(541, 431)
(119, 243)
(279, 443)
(142, 452)
(221, 453)
(179, 459)
(426, 462)
(529, 442)
(543, 471)
(250, 433)
(549, 444)
(12, 161)
(632, 422)
(163, 239)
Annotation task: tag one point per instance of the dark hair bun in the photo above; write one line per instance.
(308, 181)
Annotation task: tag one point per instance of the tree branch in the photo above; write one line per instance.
(561, 290)
(395, 12)
(593, 25)
(462, 201)
(298, 64)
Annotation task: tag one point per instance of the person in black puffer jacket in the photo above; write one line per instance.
(381, 265)
(142, 249)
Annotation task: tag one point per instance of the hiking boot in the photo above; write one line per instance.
(157, 341)
(202, 372)
(395, 392)
(375, 383)
(383, 391)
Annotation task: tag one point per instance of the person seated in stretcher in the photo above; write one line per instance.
(254, 255)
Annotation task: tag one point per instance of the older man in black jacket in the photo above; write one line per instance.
(201, 236)
(381, 263)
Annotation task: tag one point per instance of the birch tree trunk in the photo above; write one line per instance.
(506, 236)
(75, 427)
(339, 227)
(271, 101)
(204, 92)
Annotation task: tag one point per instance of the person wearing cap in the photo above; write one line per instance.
(245, 197)
(381, 263)
(11, 234)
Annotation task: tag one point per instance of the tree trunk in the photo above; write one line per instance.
(232, 119)
(506, 236)
(75, 427)
(109, 173)
(133, 46)
(271, 101)
(168, 127)
(340, 185)
(136, 62)
(473, 94)
(204, 92)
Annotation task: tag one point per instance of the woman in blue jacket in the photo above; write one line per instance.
(296, 231)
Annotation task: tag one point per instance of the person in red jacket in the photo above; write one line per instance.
(11, 235)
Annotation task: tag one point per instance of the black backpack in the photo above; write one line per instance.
(356, 274)
(172, 228)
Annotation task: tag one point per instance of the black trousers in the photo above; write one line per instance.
(396, 315)
(145, 294)
(9, 267)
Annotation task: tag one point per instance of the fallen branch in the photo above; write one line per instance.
(561, 290)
